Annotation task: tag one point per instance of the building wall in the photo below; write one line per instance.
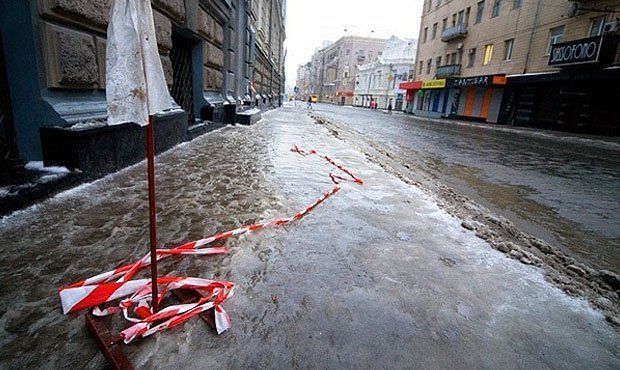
(534, 94)
(380, 79)
(63, 45)
(268, 20)
(528, 25)
(334, 67)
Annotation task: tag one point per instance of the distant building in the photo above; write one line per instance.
(380, 79)
(332, 70)
(551, 64)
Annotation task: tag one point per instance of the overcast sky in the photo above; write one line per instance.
(310, 22)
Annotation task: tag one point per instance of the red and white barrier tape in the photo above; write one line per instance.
(116, 284)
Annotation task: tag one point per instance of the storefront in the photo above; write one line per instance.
(410, 88)
(344, 97)
(476, 98)
(581, 97)
(432, 99)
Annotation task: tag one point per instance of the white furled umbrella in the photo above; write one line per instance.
(136, 88)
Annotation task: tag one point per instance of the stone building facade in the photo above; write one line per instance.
(53, 67)
(491, 60)
(267, 24)
(332, 70)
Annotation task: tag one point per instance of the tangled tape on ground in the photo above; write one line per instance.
(135, 295)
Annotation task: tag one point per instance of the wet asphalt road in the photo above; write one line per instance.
(378, 276)
(562, 188)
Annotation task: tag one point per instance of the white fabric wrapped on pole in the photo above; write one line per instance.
(135, 83)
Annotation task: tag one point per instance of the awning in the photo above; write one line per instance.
(344, 93)
(410, 85)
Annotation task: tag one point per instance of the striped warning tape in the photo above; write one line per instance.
(117, 284)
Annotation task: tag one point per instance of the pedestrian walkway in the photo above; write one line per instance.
(377, 276)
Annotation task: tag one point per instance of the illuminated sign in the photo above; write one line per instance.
(434, 84)
(590, 50)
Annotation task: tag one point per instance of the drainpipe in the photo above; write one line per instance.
(529, 46)
(240, 49)
(271, 48)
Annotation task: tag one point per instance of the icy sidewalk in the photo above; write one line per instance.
(376, 277)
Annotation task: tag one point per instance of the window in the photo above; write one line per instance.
(438, 62)
(496, 8)
(453, 19)
(346, 74)
(516, 4)
(434, 31)
(508, 49)
(472, 57)
(467, 11)
(480, 12)
(444, 25)
(428, 65)
(555, 36)
(488, 54)
(596, 27)
(461, 17)
(459, 57)
(421, 67)
(425, 34)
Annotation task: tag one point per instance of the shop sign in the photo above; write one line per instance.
(410, 85)
(478, 81)
(472, 81)
(499, 80)
(434, 84)
(576, 52)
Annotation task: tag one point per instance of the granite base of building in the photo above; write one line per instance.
(102, 150)
(249, 116)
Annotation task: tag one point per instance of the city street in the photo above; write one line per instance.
(559, 187)
(457, 251)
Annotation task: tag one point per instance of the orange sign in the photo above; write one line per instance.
(499, 80)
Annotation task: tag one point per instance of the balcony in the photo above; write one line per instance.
(460, 30)
(448, 70)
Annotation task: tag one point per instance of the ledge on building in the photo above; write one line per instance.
(249, 116)
(214, 110)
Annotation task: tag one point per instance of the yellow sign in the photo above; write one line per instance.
(434, 84)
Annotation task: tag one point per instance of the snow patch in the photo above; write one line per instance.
(38, 166)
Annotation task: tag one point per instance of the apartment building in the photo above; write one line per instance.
(333, 68)
(379, 81)
(549, 64)
(219, 57)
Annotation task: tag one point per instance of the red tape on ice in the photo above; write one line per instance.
(117, 284)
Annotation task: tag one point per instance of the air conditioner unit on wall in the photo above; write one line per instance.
(610, 28)
(459, 46)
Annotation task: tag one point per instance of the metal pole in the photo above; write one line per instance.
(150, 150)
